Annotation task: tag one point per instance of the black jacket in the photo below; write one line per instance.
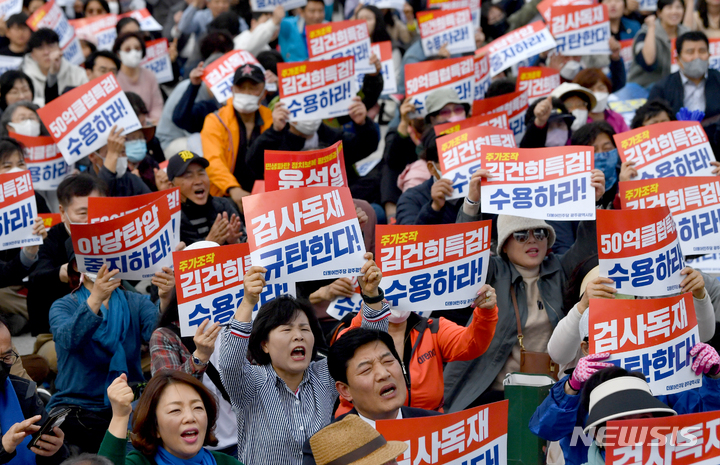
(126, 185)
(670, 88)
(31, 405)
(190, 233)
(189, 114)
(415, 207)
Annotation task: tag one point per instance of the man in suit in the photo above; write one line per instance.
(368, 373)
(694, 87)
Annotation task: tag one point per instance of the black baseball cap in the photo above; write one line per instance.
(178, 163)
(249, 71)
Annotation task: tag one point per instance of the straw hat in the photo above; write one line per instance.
(352, 441)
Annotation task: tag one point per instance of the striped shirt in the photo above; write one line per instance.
(273, 422)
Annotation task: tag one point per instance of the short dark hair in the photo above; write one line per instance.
(216, 41)
(92, 58)
(123, 21)
(691, 36)
(344, 348)
(428, 145)
(137, 103)
(600, 376)
(102, 3)
(123, 37)
(278, 312)
(587, 134)
(42, 36)
(145, 428)
(316, 1)
(269, 59)
(7, 82)
(87, 459)
(663, 3)
(650, 110)
(18, 19)
(80, 185)
(500, 87)
(9, 146)
(228, 21)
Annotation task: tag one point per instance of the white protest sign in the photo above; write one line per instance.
(581, 29)
(518, 45)
(44, 161)
(451, 28)
(17, 211)
(157, 60)
(341, 39)
(218, 75)
(383, 50)
(268, 6)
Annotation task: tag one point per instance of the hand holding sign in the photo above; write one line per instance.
(197, 73)
(205, 340)
(370, 279)
(341, 287)
(280, 115)
(474, 185)
(440, 190)
(596, 289)
(586, 367)
(542, 112)
(38, 230)
(165, 282)
(627, 171)
(253, 284)
(357, 111)
(694, 282)
(487, 298)
(706, 360)
(103, 287)
(597, 180)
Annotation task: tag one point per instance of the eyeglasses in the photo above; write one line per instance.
(523, 236)
(10, 358)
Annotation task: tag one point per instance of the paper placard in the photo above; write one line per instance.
(157, 60)
(218, 75)
(340, 39)
(17, 211)
(451, 28)
(102, 28)
(383, 50)
(515, 104)
(518, 45)
(268, 6)
(581, 29)
(44, 161)
(423, 78)
(290, 170)
(496, 120)
(537, 81)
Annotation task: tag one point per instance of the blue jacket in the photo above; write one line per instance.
(628, 28)
(82, 362)
(293, 44)
(556, 417)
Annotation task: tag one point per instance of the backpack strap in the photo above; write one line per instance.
(214, 376)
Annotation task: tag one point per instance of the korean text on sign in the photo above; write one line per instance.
(482, 77)
(709, 263)
(518, 45)
(45, 162)
(143, 16)
(474, 6)
(304, 234)
(10, 7)
(382, 4)
(714, 61)
(473, 436)
(218, 75)
(138, 244)
(547, 184)
(51, 16)
(545, 7)
(683, 440)
(514, 103)
(496, 120)
(101, 27)
(675, 148)
(50, 219)
(383, 51)
(269, 5)
(288, 170)
(17, 211)
(653, 336)
(157, 60)
(429, 268)
(317, 90)
(210, 285)
(460, 154)
(694, 202)
(581, 30)
(538, 81)
(339, 40)
(341, 305)
(451, 28)
(639, 250)
(80, 120)
(422, 78)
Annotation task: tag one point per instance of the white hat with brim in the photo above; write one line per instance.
(567, 89)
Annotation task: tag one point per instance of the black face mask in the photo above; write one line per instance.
(4, 373)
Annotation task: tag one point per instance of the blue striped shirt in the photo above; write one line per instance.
(273, 422)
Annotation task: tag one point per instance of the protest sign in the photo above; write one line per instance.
(473, 436)
(546, 184)
(459, 154)
(639, 250)
(51, 16)
(474, 6)
(341, 306)
(649, 335)
(518, 45)
(146, 20)
(383, 51)
(218, 75)
(157, 60)
(9, 8)
(313, 230)
(626, 108)
(709, 263)
(545, 7)
(515, 104)
(626, 53)
(385, 4)
(50, 219)
(18, 211)
(423, 78)
(482, 76)
(674, 148)
(210, 285)
(537, 81)
(100, 27)
(258, 187)
(714, 50)
(647, 5)
(80, 120)
(317, 90)
(450, 28)
(430, 266)
(289, 170)
(341, 39)
(496, 120)
(138, 243)
(694, 202)
(45, 162)
(581, 29)
(268, 6)
(7, 63)
(690, 439)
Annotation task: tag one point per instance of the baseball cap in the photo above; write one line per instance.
(249, 71)
(178, 163)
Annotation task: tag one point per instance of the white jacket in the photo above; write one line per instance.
(256, 41)
(69, 76)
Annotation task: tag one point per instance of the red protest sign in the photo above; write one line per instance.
(101, 27)
(50, 219)
(497, 120)
(288, 170)
(45, 162)
(538, 81)
(17, 211)
(452, 29)
(422, 78)
(340, 39)
(219, 74)
(515, 104)
(545, 7)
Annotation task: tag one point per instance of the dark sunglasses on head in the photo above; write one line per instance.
(523, 236)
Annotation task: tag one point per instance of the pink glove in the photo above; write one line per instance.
(586, 367)
(707, 360)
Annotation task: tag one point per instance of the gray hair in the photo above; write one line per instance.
(8, 113)
(87, 459)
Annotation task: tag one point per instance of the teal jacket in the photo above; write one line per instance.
(293, 43)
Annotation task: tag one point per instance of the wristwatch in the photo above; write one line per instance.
(373, 300)
(197, 361)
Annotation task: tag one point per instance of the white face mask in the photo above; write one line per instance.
(121, 167)
(581, 117)
(29, 127)
(131, 58)
(14, 170)
(307, 127)
(92, 277)
(398, 316)
(602, 101)
(245, 103)
(570, 70)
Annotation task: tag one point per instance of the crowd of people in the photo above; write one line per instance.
(292, 384)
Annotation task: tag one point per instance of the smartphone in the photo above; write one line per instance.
(55, 419)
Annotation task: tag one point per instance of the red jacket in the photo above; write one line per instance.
(442, 341)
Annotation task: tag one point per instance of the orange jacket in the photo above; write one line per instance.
(450, 343)
(221, 150)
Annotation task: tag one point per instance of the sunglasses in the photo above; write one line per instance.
(446, 112)
(523, 236)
